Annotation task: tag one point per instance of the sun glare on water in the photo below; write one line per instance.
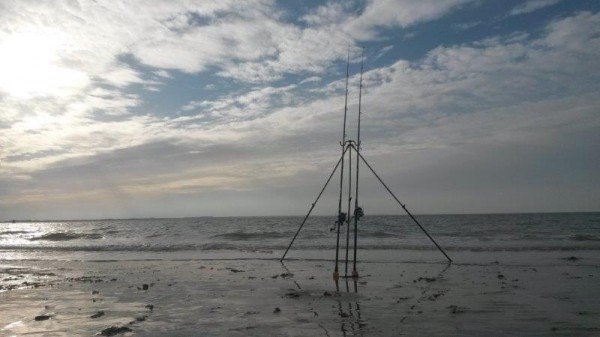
(30, 65)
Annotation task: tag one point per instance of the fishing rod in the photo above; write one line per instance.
(341, 218)
(358, 212)
(349, 210)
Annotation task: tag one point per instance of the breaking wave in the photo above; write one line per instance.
(219, 246)
(377, 234)
(13, 232)
(585, 237)
(242, 236)
(66, 236)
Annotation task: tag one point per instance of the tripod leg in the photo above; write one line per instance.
(404, 207)
(313, 205)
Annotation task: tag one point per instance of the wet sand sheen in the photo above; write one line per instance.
(263, 297)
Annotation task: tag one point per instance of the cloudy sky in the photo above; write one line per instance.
(188, 108)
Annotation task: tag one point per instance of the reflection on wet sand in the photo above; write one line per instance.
(351, 319)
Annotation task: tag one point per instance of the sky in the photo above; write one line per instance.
(119, 109)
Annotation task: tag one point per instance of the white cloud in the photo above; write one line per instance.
(311, 79)
(383, 51)
(162, 73)
(121, 77)
(531, 6)
(249, 105)
(466, 25)
(398, 13)
(247, 40)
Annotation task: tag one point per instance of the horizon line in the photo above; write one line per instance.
(279, 216)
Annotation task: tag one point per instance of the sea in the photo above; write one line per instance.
(468, 238)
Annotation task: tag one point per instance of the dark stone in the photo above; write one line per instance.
(500, 276)
(327, 294)
(42, 317)
(98, 314)
(434, 297)
(292, 295)
(95, 292)
(572, 258)
(276, 310)
(456, 309)
(150, 307)
(343, 314)
(402, 299)
(233, 270)
(113, 330)
(144, 287)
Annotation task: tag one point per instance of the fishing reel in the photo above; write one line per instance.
(340, 220)
(359, 213)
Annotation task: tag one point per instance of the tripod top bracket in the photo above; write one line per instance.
(349, 142)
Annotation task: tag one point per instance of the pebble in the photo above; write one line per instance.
(42, 317)
(113, 330)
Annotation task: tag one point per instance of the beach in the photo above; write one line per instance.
(299, 168)
(412, 292)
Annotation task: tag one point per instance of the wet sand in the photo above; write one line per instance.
(265, 298)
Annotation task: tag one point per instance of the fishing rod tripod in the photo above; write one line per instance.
(349, 146)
